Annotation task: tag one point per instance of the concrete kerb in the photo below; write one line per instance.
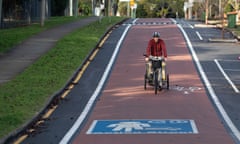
(55, 98)
(236, 40)
(223, 40)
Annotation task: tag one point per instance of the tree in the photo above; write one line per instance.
(160, 8)
(0, 13)
(58, 7)
(43, 9)
(223, 5)
(123, 8)
(141, 12)
(85, 7)
(234, 4)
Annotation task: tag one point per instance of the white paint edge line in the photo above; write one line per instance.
(173, 20)
(226, 76)
(228, 60)
(194, 127)
(199, 36)
(232, 70)
(135, 20)
(210, 89)
(92, 127)
(91, 101)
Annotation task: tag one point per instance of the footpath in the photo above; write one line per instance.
(24, 54)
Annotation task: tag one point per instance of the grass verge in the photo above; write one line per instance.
(13, 36)
(23, 97)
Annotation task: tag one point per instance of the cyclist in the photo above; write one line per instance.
(156, 47)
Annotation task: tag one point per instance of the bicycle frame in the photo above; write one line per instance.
(157, 77)
(157, 72)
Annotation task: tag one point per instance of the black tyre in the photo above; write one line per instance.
(160, 82)
(145, 82)
(156, 82)
(168, 81)
(160, 88)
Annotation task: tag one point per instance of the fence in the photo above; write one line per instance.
(20, 13)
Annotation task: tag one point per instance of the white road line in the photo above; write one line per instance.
(91, 101)
(229, 60)
(213, 95)
(233, 70)
(191, 26)
(226, 76)
(199, 36)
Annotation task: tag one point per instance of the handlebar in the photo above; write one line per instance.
(156, 58)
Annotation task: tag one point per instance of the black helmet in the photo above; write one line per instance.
(156, 34)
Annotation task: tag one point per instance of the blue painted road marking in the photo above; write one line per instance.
(172, 126)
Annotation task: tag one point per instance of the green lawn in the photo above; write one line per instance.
(23, 97)
(13, 36)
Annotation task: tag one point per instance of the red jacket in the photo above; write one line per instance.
(156, 48)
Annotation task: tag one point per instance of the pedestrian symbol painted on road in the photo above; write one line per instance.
(173, 126)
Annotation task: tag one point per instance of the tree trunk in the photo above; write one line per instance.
(43, 8)
(0, 13)
(206, 14)
(75, 8)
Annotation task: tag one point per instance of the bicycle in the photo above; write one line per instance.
(158, 77)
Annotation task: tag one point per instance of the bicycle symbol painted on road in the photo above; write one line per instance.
(143, 126)
(185, 90)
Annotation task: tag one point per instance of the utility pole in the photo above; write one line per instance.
(0, 13)
(43, 9)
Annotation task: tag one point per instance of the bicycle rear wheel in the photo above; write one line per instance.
(156, 82)
(145, 81)
(168, 81)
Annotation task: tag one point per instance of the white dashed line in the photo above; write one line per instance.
(198, 34)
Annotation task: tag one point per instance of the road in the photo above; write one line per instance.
(109, 104)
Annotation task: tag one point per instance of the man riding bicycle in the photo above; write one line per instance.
(156, 47)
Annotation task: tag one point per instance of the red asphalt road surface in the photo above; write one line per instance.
(124, 96)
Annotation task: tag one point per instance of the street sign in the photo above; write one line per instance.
(152, 126)
(132, 3)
